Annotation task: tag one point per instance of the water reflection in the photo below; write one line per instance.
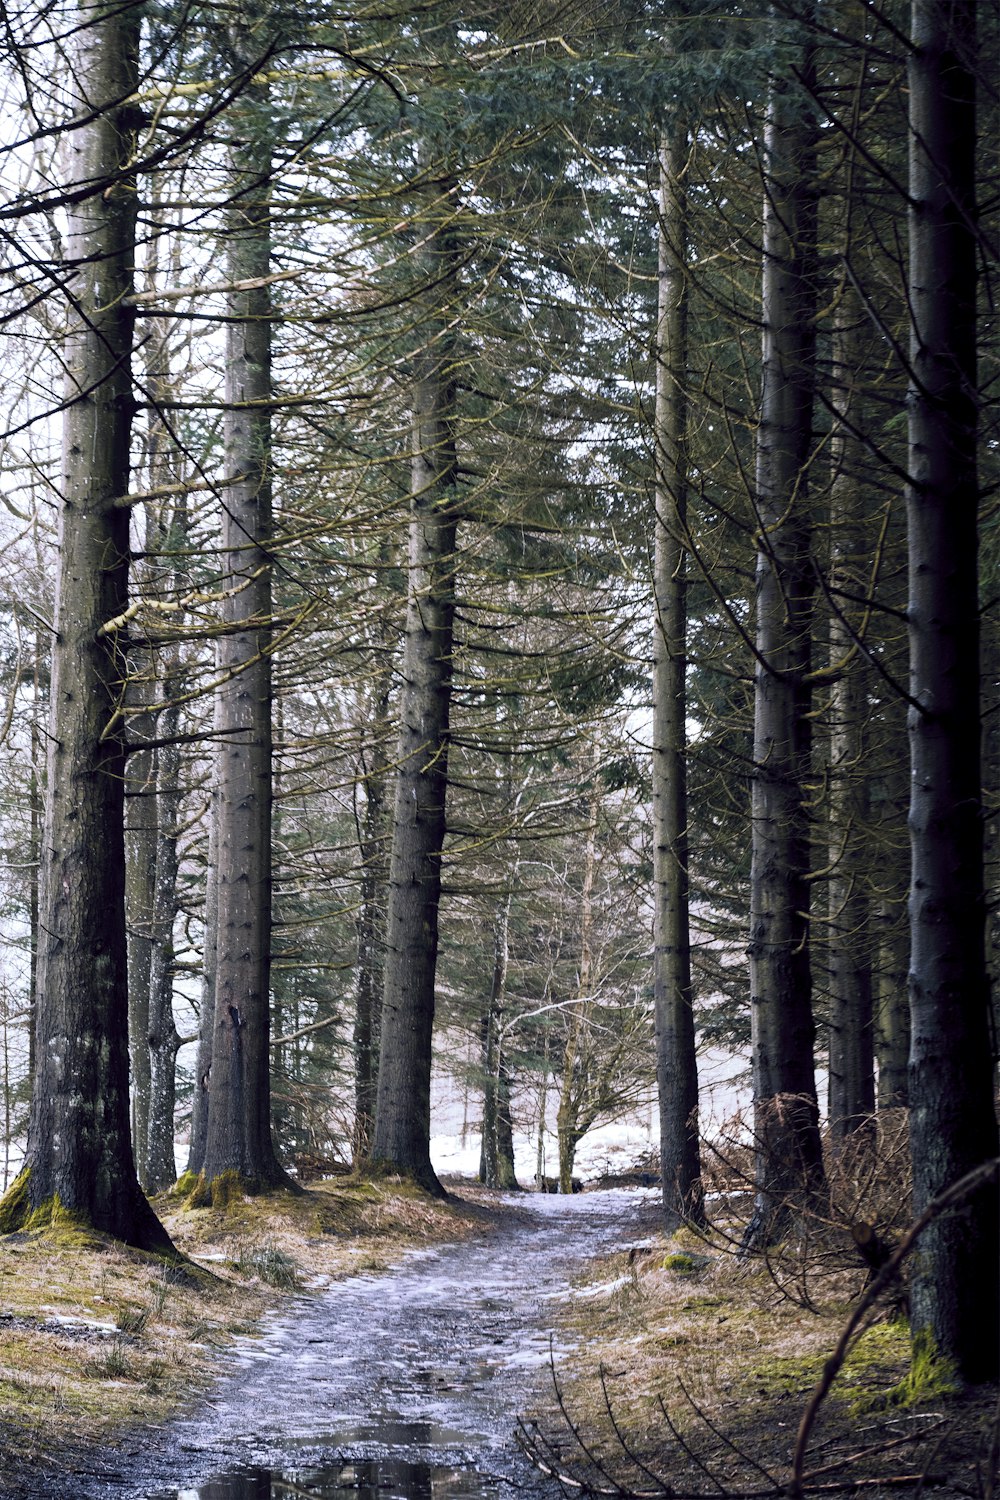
(360, 1479)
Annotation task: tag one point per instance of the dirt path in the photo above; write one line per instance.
(404, 1386)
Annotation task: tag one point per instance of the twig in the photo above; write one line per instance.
(952, 1195)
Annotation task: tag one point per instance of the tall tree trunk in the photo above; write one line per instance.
(496, 1162)
(852, 1047)
(953, 1128)
(161, 1167)
(673, 998)
(147, 768)
(543, 1101)
(506, 1167)
(36, 810)
(239, 1119)
(402, 1120)
(371, 920)
(786, 1128)
(990, 672)
(140, 874)
(79, 1156)
(206, 1014)
(570, 1129)
(891, 1007)
(891, 1001)
(489, 1047)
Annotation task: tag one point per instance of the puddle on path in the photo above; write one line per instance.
(364, 1479)
(367, 1466)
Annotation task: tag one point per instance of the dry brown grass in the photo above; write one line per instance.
(687, 1321)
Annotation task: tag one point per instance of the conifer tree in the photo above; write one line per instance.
(79, 1157)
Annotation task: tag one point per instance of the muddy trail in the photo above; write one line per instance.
(402, 1386)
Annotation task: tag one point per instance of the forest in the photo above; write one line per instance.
(499, 513)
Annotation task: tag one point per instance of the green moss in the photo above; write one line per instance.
(930, 1376)
(683, 1264)
(226, 1189)
(185, 1185)
(864, 1381)
(221, 1192)
(63, 1226)
(786, 1374)
(14, 1206)
(198, 1195)
(60, 1225)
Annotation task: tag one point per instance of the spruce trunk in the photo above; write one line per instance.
(788, 1158)
(852, 1050)
(496, 1161)
(140, 851)
(206, 1014)
(676, 1061)
(239, 1117)
(402, 1119)
(953, 1128)
(161, 1167)
(371, 920)
(79, 1156)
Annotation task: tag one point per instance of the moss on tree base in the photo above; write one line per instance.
(62, 1226)
(226, 1189)
(73, 1227)
(14, 1205)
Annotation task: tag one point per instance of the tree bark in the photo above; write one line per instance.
(889, 894)
(239, 1118)
(36, 811)
(571, 1122)
(371, 920)
(206, 1015)
(496, 1162)
(954, 1293)
(506, 1168)
(788, 1156)
(161, 1169)
(402, 1121)
(892, 1012)
(79, 1156)
(673, 997)
(140, 872)
(851, 1031)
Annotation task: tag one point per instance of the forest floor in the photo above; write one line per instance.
(97, 1340)
(696, 1369)
(679, 1368)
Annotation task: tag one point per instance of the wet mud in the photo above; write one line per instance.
(402, 1386)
